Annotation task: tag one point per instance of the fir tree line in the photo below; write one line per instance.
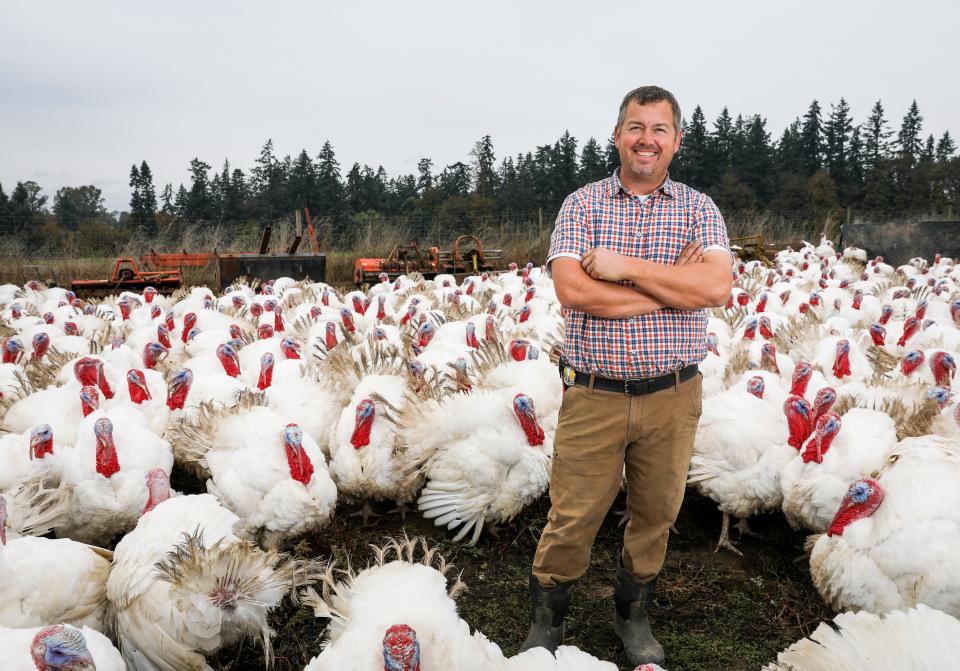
(821, 163)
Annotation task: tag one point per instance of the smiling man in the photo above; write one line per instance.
(635, 260)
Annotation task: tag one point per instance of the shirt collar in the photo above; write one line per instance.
(615, 186)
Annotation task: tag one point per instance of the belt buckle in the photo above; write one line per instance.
(631, 390)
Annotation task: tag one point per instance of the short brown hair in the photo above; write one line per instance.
(651, 94)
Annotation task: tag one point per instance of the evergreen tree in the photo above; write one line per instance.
(302, 187)
(166, 199)
(789, 152)
(199, 203)
(424, 175)
(136, 195)
(720, 147)
(876, 137)
(811, 140)
(593, 167)
(929, 152)
(909, 143)
(181, 204)
(837, 132)
(455, 179)
(756, 158)
(484, 170)
(695, 151)
(945, 148)
(148, 192)
(565, 166)
(329, 187)
(612, 155)
(354, 190)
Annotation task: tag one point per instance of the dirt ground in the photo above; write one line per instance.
(712, 611)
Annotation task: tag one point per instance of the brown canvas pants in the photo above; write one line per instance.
(599, 433)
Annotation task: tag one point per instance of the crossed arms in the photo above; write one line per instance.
(698, 279)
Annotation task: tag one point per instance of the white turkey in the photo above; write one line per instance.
(916, 638)
(839, 451)
(894, 540)
(398, 613)
(52, 580)
(183, 585)
(261, 466)
(105, 472)
(58, 647)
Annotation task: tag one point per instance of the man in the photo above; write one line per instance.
(635, 258)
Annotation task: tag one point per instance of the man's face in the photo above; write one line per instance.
(647, 140)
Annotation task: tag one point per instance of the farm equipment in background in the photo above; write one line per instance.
(126, 276)
(750, 248)
(155, 261)
(265, 265)
(467, 257)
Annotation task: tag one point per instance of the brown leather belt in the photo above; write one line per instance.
(630, 387)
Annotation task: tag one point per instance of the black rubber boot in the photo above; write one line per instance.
(548, 607)
(631, 620)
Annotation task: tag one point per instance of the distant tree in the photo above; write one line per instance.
(199, 203)
(166, 200)
(329, 187)
(484, 168)
(565, 167)
(73, 206)
(180, 202)
(695, 152)
(836, 133)
(909, 144)
(811, 140)
(946, 148)
(455, 179)
(593, 166)
(354, 190)
(821, 194)
(27, 197)
(424, 175)
(136, 194)
(929, 153)
(789, 151)
(732, 195)
(876, 137)
(756, 158)
(148, 191)
(302, 187)
(720, 146)
(612, 156)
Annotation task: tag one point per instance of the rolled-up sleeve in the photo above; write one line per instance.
(709, 227)
(570, 233)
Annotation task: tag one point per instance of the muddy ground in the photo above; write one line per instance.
(712, 611)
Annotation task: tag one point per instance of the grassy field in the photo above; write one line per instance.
(713, 611)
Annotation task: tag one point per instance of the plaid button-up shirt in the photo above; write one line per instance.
(654, 228)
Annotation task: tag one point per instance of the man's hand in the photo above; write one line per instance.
(602, 264)
(692, 253)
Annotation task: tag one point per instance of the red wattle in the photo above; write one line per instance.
(301, 468)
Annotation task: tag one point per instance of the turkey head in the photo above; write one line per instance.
(41, 441)
(401, 650)
(107, 463)
(828, 425)
(526, 414)
(301, 468)
(61, 647)
(363, 423)
(861, 500)
(799, 420)
(137, 386)
(158, 489)
(178, 388)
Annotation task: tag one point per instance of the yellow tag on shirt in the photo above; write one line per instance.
(568, 375)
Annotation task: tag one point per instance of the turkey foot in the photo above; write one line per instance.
(401, 508)
(366, 512)
(744, 528)
(725, 541)
(492, 529)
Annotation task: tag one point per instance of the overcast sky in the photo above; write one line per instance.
(88, 88)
